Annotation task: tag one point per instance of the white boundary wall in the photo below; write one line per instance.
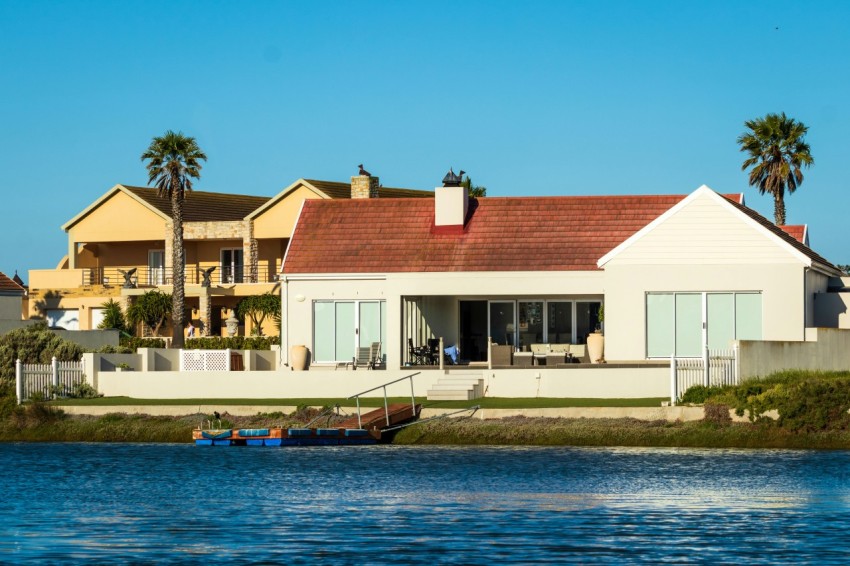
(825, 349)
(591, 382)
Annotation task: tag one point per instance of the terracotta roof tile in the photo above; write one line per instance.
(502, 234)
(798, 232)
(7, 285)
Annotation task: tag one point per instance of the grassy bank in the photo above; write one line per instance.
(812, 408)
(518, 431)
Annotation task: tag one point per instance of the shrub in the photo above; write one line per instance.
(131, 343)
(805, 401)
(34, 345)
(717, 413)
(113, 317)
(232, 343)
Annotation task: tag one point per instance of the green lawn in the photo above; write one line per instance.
(486, 403)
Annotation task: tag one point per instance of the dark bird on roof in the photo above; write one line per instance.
(363, 171)
(217, 416)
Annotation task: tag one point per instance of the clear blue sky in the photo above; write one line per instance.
(531, 98)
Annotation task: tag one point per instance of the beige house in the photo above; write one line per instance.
(120, 247)
(674, 272)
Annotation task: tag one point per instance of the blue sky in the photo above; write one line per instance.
(531, 98)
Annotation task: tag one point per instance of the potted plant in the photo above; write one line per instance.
(123, 366)
(596, 339)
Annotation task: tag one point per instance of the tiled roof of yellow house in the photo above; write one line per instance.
(200, 206)
(343, 190)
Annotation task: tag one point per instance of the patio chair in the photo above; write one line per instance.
(434, 351)
(375, 354)
(417, 355)
(364, 357)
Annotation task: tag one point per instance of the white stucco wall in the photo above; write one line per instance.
(626, 287)
(444, 291)
(586, 382)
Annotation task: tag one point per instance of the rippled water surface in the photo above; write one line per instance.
(102, 503)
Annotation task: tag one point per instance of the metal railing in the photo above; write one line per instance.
(53, 380)
(386, 403)
(141, 276)
(714, 368)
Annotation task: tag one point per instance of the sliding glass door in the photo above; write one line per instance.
(684, 323)
(340, 327)
(503, 322)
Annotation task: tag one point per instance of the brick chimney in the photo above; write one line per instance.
(364, 186)
(451, 204)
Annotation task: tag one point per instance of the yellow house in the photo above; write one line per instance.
(120, 247)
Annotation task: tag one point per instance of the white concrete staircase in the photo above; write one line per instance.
(458, 385)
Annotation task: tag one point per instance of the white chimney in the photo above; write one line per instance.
(451, 202)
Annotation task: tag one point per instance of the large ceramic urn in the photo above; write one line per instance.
(298, 357)
(596, 347)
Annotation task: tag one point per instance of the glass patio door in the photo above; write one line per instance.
(156, 267)
(231, 265)
(530, 323)
(340, 327)
(503, 322)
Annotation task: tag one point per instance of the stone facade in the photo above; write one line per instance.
(363, 186)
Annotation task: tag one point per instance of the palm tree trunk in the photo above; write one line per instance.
(178, 263)
(779, 209)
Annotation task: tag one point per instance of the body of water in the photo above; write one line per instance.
(120, 503)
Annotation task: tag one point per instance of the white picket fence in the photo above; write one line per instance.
(53, 380)
(715, 368)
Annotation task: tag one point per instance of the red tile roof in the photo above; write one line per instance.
(7, 285)
(502, 234)
(798, 232)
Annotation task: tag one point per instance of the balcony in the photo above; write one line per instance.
(145, 276)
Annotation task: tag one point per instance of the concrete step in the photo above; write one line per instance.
(457, 387)
(440, 386)
(450, 396)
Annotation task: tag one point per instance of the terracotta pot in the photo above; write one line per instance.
(298, 357)
(596, 347)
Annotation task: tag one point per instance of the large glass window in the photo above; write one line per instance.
(720, 320)
(660, 332)
(560, 323)
(339, 327)
(587, 319)
(530, 322)
(682, 323)
(502, 322)
(688, 325)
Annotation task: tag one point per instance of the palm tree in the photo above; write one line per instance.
(474, 190)
(776, 152)
(173, 161)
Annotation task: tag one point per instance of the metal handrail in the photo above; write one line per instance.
(386, 403)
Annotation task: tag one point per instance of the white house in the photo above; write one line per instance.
(674, 272)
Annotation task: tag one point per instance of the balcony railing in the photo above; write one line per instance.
(145, 276)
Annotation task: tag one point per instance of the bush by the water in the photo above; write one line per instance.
(698, 394)
(34, 344)
(806, 401)
(232, 342)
